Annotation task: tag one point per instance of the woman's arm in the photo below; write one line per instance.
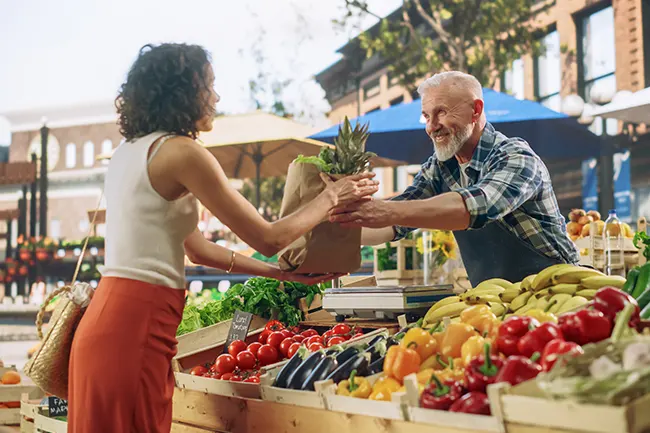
(203, 252)
(199, 172)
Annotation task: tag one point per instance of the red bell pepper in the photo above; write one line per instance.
(511, 330)
(610, 301)
(558, 347)
(585, 326)
(537, 339)
(440, 395)
(518, 369)
(482, 371)
(473, 402)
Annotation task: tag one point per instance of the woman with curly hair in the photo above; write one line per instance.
(120, 368)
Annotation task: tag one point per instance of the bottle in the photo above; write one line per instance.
(613, 245)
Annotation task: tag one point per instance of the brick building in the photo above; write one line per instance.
(78, 135)
(588, 43)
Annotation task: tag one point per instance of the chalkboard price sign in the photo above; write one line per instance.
(241, 322)
(57, 407)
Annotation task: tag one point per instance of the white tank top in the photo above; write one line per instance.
(144, 231)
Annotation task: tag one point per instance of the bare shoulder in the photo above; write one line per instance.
(182, 149)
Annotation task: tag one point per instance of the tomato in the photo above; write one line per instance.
(274, 325)
(293, 349)
(236, 347)
(275, 339)
(246, 360)
(286, 333)
(298, 338)
(199, 370)
(309, 333)
(226, 376)
(316, 347)
(235, 378)
(264, 335)
(314, 339)
(267, 355)
(225, 363)
(341, 329)
(252, 379)
(294, 329)
(254, 347)
(285, 345)
(327, 334)
(216, 376)
(335, 340)
(213, 368)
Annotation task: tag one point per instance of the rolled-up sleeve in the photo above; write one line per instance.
(512, 179)
(421, 188)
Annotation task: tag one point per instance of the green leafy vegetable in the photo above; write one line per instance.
(317, 161)
(644, 239)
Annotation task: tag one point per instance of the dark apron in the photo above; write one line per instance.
(495, 252)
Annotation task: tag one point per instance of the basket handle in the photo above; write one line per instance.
(41, 311)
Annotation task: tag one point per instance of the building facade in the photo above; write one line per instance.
(77, 136)
(589, 44)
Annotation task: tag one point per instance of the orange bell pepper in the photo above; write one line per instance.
(482, 319)
(384, 388)
(455, 335)
(400, 362)
(425, 344)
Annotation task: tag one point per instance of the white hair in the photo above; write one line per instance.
(454, 78)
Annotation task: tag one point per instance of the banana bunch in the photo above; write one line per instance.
(556, 289)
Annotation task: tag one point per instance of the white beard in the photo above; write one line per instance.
(454, 144)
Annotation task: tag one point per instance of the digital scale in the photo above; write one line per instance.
(383, 302)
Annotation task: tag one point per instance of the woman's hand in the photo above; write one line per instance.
(307, 279)
(350, 188)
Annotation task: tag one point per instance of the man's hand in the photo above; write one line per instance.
(372, 214)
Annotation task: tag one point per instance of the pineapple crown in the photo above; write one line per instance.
(349, 156)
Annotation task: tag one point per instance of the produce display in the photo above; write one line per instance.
(555, 290)
(245, 362)
(9, 377)
(638, 278)
(579, 225)
(259, 296)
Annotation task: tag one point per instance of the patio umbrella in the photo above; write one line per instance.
(263, 145)
(398, 132)
(634, 109)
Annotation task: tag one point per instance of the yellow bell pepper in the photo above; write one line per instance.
(452, 371)
(482, 319)
(475, 347)
(455, 335)
(541, 316)
(425, 375)
(384, 388)
(354, 387)
(425, 345)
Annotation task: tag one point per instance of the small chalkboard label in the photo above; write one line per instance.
(57, 407)
(238, 328)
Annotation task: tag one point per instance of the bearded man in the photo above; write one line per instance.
(492, 191)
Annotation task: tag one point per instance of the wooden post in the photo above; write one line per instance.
(10, 248)
(43, 182)
(22, 213)
(32, 202)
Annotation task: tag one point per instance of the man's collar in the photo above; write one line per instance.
(485, 144)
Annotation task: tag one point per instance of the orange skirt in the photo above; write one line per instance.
(120, 377)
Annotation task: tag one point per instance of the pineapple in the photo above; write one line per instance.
(349, 156)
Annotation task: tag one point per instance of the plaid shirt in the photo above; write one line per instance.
(509, 184)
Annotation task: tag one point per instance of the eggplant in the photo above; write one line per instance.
(377, 366)
(322, 370)
(285, 373)
(358, 362)
(347, 354)
(301, 373)
(376, 340)
(377, 351)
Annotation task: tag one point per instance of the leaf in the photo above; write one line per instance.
(310, 299)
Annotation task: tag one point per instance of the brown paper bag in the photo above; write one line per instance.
(328, 248)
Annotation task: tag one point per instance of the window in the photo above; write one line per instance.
(107, 147)
(598, 62)
(70, 155)
(548, 73)
(55, 228)
(89, 154)
(397, 100)
(371, 89)
(514, 80)
(373, 110)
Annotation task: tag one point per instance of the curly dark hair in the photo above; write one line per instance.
(165, 90)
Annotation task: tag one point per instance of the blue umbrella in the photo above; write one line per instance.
(398, 132)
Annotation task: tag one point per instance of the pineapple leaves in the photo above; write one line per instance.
(349, 156)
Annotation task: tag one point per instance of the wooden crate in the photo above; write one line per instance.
(523, 410)
(28, 411)
(14, 394)
(44, 424)
(477, 423)
(399, 276)
(195, 346)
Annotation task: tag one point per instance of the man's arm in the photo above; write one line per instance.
(377, 236)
